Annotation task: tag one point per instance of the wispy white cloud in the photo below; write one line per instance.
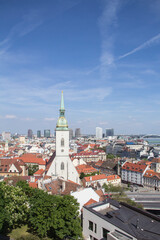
(107, 21)
(28, 23)
(49, 119)
(10, 117)
(148, 43)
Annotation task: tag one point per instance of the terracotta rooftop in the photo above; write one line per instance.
(134, 167)
(32, 158)
(112, 177)
(90, 202)
(95, 178)
(85, 169)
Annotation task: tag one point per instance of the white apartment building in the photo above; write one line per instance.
(133, 173)
(110, 220)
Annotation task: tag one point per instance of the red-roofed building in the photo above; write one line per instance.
(114, 180)
(33, 159)
(13, 167)
(40, 172)
(86, 169)
(155, 165)
(95, 181)
(151, 179)
(133, 172)
(91, 201)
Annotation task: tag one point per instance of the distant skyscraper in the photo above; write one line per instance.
(30, 133)
(70, 133)
(109, 132)
(39, 134)
(99, 132)
(77, 133)
(47, 133)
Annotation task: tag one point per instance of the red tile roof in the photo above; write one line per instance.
(151, 173)
(134, 167)
(91, 201)
(39, 172)
(112, 177)
(85, 169)
(95, 178)
(32, 158)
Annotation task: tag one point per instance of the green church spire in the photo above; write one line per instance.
(62, 122)
(62, 102)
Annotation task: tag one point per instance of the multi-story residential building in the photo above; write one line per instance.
(99, 132)
(133, 172)
(111, 220)
(151, 179)
(155, 165)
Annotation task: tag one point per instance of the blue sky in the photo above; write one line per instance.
(104, 55)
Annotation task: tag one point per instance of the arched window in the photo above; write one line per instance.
(62, 165)
(62, 142)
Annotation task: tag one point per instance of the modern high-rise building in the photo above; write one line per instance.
(39, 134)
(30, 133)
(109, 132)
(70, 133)
(99, 132)
(47, 133)
(77, 132)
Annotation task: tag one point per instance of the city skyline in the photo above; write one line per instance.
(104, 55)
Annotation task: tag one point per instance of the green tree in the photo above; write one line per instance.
(54, 216)
(32, 169)
(67, 223)
(82, 175)
(2, 211)
(15, 205)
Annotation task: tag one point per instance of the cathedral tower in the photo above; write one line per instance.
(62, 165)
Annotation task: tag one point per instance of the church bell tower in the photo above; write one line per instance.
(62, 165)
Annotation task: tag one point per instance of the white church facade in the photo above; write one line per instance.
(62, 165)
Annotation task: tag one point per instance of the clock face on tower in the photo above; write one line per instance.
(62, 150)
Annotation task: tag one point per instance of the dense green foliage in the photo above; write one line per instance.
(82, 175)
(46, 215)
(32, 169)
(15, 205)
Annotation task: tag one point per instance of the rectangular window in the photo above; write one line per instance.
(95, 228)
(91, 225)
(105, 231)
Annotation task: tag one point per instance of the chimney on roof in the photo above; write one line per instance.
(90, 178)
